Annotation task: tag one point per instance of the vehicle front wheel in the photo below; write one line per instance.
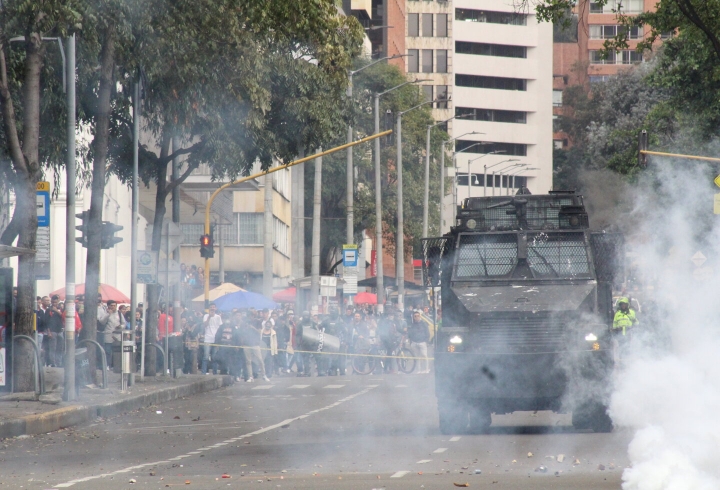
(453, 419)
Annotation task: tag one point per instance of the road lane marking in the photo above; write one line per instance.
(423, 461)
(401, 386)
(440, 450)
(455, 439)
(209, 448)
(334, 386)
(399, 474)
(297, 387)
(262, 387)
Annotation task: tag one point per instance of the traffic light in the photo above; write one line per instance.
(83, 228)
(642, 146)
(107, 234)
(206, 247)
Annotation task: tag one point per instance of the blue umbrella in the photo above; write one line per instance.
(243, 299)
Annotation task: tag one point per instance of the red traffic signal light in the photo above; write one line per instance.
(206, 247)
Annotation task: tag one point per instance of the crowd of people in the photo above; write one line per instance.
(248, 344)
(258, 344)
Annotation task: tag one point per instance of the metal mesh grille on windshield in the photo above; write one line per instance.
(558, 255)
(486, 255)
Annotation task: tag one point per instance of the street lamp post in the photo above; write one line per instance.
(380, 286)
(454, 156)
(350, 198)
(493, 181)
(426, 196)
(400, 242)
(442, 173)
(478, 158)
(517, 172)
(501, 172)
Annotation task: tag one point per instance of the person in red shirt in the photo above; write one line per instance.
(161, 323)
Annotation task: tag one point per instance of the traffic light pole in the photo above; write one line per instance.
(69, 392)
(261, 174)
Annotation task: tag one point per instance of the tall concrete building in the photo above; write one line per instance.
(429, 45)
(502, 67)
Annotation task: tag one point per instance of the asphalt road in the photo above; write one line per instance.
(355, 432)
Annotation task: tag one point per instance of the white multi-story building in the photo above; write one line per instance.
(502, 67)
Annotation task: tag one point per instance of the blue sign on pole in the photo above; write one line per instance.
(43, 208)
(350, 256)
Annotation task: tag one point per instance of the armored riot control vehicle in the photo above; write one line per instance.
(526, 291)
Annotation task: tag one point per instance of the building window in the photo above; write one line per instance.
(617, 6)
(498, 83)
(427, 60)
(413, 59)
(557, 98)
(281, 241)
(413, 25)
(486, 147)
(509, 18)
(427, 25)
(250, 228)
(441, 93)
(463, 47)
(427, 92)
(441, 61)
(611, 31)
(492, 115)
(625, 57)
(441, 29)
(281, 183)
(599, 78)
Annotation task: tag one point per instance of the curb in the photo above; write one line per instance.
(77, 414)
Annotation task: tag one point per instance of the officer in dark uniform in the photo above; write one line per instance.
(332, 325)
(305, 322)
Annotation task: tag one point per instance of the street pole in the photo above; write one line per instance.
(379, 286)
(350, 174)
(298, 229)
(268, 238)
(177, 311)
(427, 183)
(315, 258)
(69, 393)
(133, 226)
(442, 185)
(400, 241)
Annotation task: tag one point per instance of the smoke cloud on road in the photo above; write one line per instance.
(667, 386)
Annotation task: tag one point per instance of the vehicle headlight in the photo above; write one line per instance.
(591, 337)
(471, 223)
(456, 339)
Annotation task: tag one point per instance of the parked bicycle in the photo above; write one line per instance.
(376, 356)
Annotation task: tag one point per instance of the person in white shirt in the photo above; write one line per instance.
(211, 323)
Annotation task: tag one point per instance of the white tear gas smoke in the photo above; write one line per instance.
(667, 386)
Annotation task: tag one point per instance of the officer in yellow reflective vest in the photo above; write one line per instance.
(624, 317)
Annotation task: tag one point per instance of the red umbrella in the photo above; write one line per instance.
(107, 292)
(365, 299)
(285, 296)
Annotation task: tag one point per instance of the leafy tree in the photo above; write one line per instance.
(374, 80)
(26, 75)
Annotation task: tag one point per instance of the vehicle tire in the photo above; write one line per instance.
(406, 361)
(453, 420)
(592, 416)
(480, 420)
(363, 364)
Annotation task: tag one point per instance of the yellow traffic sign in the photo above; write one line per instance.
(45, 186)
(717, 181)
(716, 204)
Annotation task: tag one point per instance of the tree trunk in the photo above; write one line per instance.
(100, 147)
(153, 290)
(25, 190)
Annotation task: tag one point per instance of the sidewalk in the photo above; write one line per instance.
(23, 414)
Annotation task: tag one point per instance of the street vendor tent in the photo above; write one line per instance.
(221, 290)
(107, 292)
(365, 299)
(285, 296)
